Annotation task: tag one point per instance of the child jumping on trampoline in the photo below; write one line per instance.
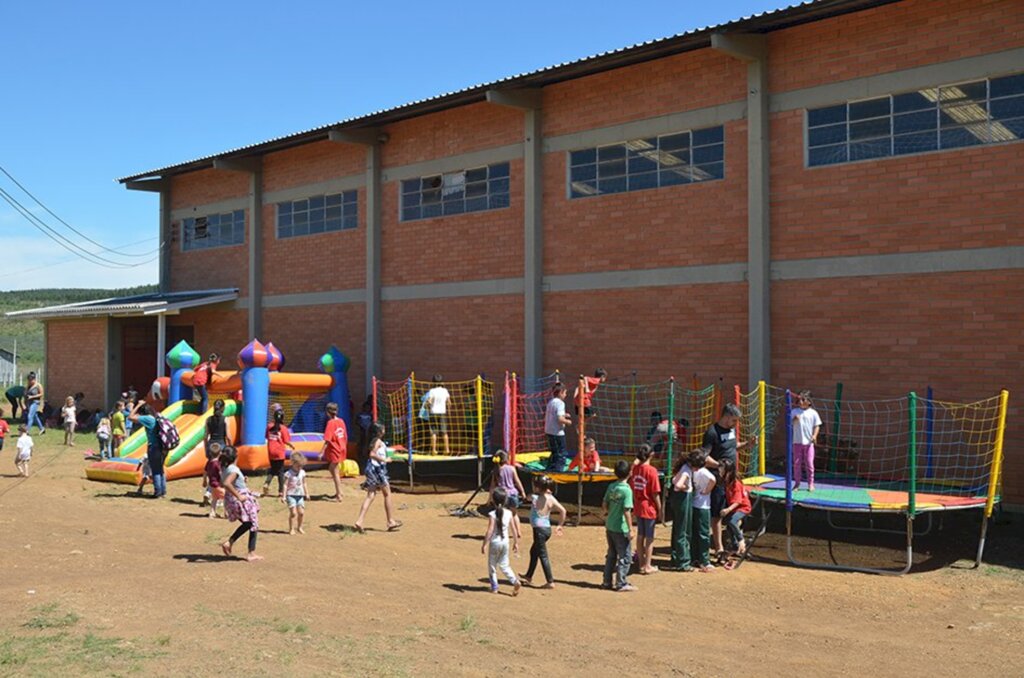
(507, 478)
(806, 425)
(377, 479)
(542, 503)
(738, 498)
(500, 524)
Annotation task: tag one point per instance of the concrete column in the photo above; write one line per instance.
(161, 345)
(372, 138)
(752, 49)
(529, 101)
(165, 238)
(254, 168)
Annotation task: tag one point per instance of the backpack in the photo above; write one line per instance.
(168, 433)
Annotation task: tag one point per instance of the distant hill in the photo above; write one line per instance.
(29, 333)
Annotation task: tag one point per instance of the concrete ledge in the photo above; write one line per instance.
(652, 277)
(947, 261)
(472, 288)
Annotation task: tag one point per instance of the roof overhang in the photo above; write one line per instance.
(169, 303)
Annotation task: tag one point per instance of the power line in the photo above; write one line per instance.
(11, 274)
(70, 246)
(72, 228)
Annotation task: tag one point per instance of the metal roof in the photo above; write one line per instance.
(140, 304)
(699, 38)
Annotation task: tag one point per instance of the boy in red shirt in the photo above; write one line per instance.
(590, 385)
(335, 446)
(646, 506)
(202, 376)
(591, 459)
(4, 428)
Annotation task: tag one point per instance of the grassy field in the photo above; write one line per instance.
(29, 333)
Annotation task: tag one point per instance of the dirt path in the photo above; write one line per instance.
(100, 582)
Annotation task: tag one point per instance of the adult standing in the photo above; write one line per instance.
(555, 421)
(202, 376)
(436, 402)
(16, 397)
(722, 442)
(34, 401)
(143, 416)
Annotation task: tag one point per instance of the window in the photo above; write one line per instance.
(668, 160)
(932, 119)
(317, 214)
(471, 190)
(214, 230)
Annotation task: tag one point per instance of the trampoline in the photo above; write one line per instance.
(901, 457)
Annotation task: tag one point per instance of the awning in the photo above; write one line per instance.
(138, 305)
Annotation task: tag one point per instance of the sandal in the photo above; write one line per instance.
(395, 526)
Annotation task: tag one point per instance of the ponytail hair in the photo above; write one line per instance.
(499, 497)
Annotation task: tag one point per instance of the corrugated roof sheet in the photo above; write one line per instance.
(762, 22)
(138, 304)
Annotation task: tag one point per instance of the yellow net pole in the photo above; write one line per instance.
(761, 465)
(480, 431)
(997, 456)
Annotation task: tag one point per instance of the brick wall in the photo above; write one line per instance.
(220, 329)
(75, 361)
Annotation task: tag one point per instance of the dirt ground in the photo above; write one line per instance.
(99, 582)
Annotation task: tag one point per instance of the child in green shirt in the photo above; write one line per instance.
(618, 504)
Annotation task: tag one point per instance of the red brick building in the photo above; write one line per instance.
(829, 192)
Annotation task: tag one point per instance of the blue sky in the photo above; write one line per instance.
(94, 91)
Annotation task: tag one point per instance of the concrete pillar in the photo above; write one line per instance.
(161, 345)
(372, 138)
(529, 101)
(165, 239)
(752, 49)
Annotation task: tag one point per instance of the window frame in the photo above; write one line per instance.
(234, 214)
(343, 201)
(504, 169)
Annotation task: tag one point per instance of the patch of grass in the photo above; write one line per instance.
(49, 617)
(163, 641)
(283, 628)
(213, 538)
(301, 628)
(468, 623)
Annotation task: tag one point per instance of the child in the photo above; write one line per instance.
(216, 426)
(436, 402)
(202, 376)
(24, 451)
(278, 438)
(240, 503)
(618, 505)
(542, 503)
(4, 428)
(377, 479)
(69, 418)
(146, 474)
(703, 484)
(806, 425)
(335, 446)
(499, 524)
(505, 477)
(738, 498)
(214, 493)
(647, 500)
(296, 492)
(590, 385)
(555, 421)
(117, 427)
(103, 437)
(682, 518)
(591, 459)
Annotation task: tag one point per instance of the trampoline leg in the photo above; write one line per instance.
(412, 484)
(981, 542)
(850, 568)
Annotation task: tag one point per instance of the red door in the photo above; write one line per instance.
(138, 355)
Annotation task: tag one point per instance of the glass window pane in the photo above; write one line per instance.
(410, 213)
(915, 101)
(639, 164)
(240, 215)
(615, 152)
(316, 215)
(876, 148)
(615, 168)
(316, 201)
(477, 189)
(476, 204)
(714, 170)
(350, 209)
(1014, 127)
(431, 210)
(350, 196)
(1006, 86)
(639, 182)
(869, 129)
(300, 218)
(826, 116)
(455, 206)
(710, 135)
(915, 122)
(615, 185)
(1008, 108)
(499, 185)
(301, 229)
(872, 108)
(674, 176)
(478, 174)
(583, 157)
(675, 158)
(431, 196)
(332, 212)
(968, 91)
(410, 185)
(332, 225)
(331, 200)
(827, 155)
(411, 200)
(284, 208)
(500, 169)
(284, 220)
(674, 142)
(828, 134)
(584, 173)
(498, 201)
(300, 205)
(349, 222)
(433, 183)
(915, 143)
(316, 226)
(284, 232)
(707, 154)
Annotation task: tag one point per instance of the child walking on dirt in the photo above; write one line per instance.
(214, 490)
(506, 478)
(24, 451)
(241, 504)
(117, 426)
(69, 418)
(278, 439)
(335, 446)
(377, 479)
(103, 437)
(542, 503)
(500, 524)
(296, 492)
